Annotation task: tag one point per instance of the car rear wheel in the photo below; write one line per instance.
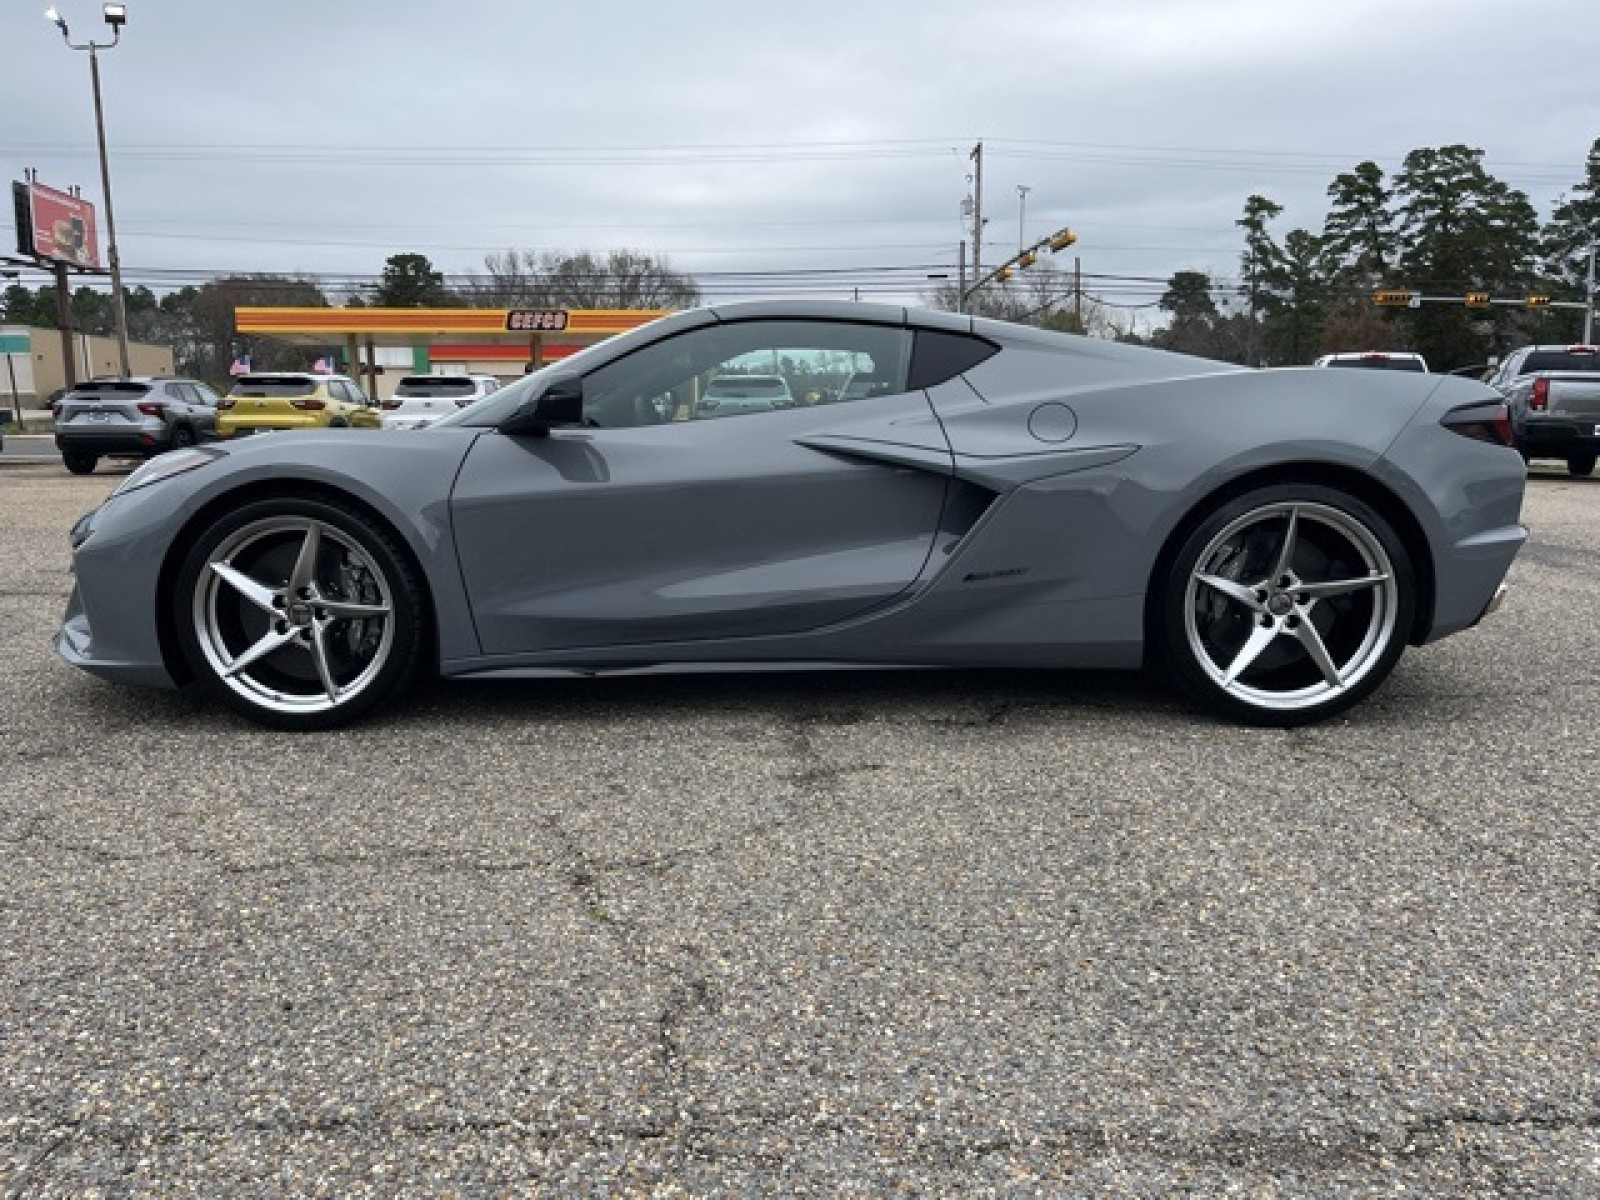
(1287, 605)
(80, 462)
(298, 614)
(1580, 465)
(182, 437)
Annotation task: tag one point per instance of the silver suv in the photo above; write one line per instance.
(131, 418)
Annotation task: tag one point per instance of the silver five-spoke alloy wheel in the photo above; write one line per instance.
(293, 615)
(1293, 603)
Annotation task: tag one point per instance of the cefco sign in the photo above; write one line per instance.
(536, 320)
(55, 227)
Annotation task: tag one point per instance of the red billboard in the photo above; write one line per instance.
(62, 226)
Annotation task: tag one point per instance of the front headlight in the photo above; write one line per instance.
(165, 466)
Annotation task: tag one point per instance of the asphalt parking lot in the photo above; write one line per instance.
(847, 934)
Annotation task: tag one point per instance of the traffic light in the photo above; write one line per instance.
(1026, 260)
(1060, 241)
(1397, 299)
(1003, 274)
(1477, 299)
(1538, 301)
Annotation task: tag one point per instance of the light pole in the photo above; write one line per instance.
(116, 16)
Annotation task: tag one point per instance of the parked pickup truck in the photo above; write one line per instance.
(1554, 396)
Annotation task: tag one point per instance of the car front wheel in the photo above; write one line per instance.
(298, 614)
(1581, 465)
(1286, 605)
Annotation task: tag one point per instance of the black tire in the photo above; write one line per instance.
(316, 668)
(338, 423)
(182, 438)
(80, 462)
(1242, 634)
(1580, 465)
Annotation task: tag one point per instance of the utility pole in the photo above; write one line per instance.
(961, 275)
(1022, 216)
(119, 307)
(1077, 292)
(1588, 312)
(977, 211)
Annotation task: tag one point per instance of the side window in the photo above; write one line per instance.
(747, 368)
(353, 392)
(207, 396)
(939, 355)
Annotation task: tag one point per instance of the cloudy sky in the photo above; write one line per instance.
(771, 147)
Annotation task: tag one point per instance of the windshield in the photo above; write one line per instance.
(110, 387)
(1380, 362)
(1561, 360)
(273, 385)
(435, 385)
(755, 385)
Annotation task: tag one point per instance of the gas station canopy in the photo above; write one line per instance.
(447, 335)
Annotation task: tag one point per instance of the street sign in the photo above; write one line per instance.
(1477, 299)
(1398, 299)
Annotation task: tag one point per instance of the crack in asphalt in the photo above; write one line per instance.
(688, 991)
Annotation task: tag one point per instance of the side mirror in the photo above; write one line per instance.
(561, 403)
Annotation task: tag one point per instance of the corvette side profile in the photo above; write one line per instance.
(928, 489)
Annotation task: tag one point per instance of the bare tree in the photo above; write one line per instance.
(619, 279)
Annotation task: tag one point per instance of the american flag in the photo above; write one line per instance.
(241, 365)
(324, 366)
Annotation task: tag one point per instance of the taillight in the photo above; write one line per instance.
(308, 404)
(1502, 426)
(1540, 399)
(1483, 423)
(151, 408)
(226, 402)
(389, 405)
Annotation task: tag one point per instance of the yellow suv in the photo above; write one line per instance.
(262, 403)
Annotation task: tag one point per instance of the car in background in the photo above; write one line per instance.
(131, 418)
(272, 401)
(1376, 360)
(1553, 393)
(736, 395)
(420, 400)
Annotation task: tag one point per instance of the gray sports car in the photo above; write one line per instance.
(937, 490)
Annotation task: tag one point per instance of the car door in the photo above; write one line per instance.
(185, 406)
(652, 523)
(362, 411)
(205, 414)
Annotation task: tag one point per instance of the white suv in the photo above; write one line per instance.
(420, 400)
